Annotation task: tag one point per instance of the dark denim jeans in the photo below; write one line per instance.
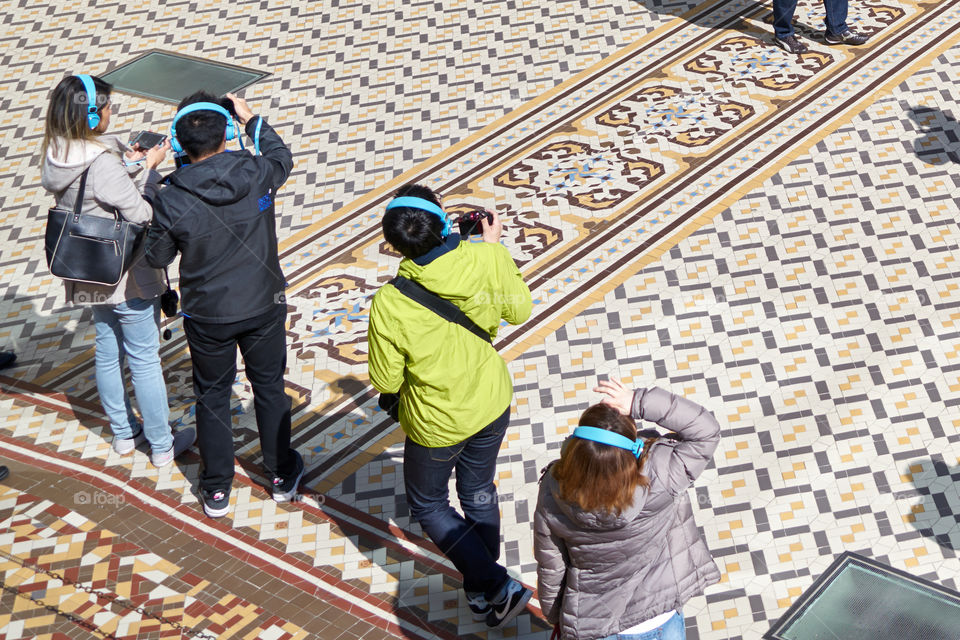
(836, 20)
(470, 541)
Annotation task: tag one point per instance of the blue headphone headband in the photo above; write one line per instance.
(93, 117)
(230, 133)
(423, 205)
(610, 438)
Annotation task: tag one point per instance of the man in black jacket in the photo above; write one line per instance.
(218, 213)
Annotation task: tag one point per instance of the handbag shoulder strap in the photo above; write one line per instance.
(78, 203)
(443, 308)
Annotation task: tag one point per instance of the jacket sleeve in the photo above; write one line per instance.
(517, 301)
(550, 553)
(275, 159)
(698, 429)
(113, 188)
(385, 363)
(159, 245)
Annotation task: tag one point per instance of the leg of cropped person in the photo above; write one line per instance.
(783, 11)
(836, 18)
(264, 351)
(426, 474)
(109, 360)
(139, 322)
(213, 351)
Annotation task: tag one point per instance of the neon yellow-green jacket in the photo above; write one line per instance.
(451, 383)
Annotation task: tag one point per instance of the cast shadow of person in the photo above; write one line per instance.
(936, 516)
(712, 16)
(938, 140)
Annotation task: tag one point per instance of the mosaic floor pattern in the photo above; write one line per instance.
(769, 234)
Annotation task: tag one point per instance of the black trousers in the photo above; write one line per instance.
(213, 349)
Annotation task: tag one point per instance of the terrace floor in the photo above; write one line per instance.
(774, 236)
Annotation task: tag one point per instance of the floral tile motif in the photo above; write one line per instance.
(747, 60)
(593, 179)
(688, 118)
(331, 315)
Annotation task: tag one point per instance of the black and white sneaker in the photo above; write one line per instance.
(847, 37)
(479, 605)
(511, 604)
(285, 489)
(791, 44)
(216, 504)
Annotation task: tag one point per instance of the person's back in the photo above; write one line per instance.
(617, 548)
(454, 388)
(218, 213)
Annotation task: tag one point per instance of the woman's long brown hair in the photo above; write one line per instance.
(600, 477)
(67, 114)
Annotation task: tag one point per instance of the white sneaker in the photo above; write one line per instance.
(182, 440)
(123, 446)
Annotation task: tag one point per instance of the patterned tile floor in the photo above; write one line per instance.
(771, 235)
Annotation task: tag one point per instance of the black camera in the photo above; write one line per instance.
(168, 304)
(470, 224)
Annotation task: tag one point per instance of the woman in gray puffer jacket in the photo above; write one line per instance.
(617, 549)
(126, 316)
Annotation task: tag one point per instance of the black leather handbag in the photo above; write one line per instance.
(89, 248)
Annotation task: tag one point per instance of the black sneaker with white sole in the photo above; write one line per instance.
(216, 504)
(509, 606)
(847, 37)
(284, 489)
(791, 44)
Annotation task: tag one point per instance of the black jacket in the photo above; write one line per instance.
(219, 214)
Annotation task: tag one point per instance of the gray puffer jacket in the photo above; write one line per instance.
(600, 573)
(109, 185)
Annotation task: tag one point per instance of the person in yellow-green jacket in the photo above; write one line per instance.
(454, 388)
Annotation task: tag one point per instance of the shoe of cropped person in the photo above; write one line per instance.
(4, 472)
(847, 37)
(284, 489)
(792, 44)
(511, 602)
(7, 358)
(479, 605)
(123, 446)
(216, 504)
(182, 440)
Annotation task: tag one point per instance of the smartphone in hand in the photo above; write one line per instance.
(147, 140)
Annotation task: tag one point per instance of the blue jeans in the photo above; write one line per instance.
(674, 629)
(836, 19)
(470, 541)
(131, 331)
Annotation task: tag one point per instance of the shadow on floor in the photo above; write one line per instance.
(938, 135)
(700, 17)
(937, 514)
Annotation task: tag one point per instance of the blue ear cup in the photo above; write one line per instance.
(93, 118)
(423, 205)
(230, 133)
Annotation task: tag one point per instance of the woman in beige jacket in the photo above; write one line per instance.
(617, 549)
(126, 316)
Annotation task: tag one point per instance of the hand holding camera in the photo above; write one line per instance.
(241, 108)
(481, 222)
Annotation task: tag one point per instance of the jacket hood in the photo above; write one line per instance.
(219, 180)
(597, 520)
(451, 270)
(64, 163)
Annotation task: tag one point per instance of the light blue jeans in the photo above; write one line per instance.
(673, 629)
(131, 331)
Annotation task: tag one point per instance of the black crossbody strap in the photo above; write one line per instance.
(443, 308)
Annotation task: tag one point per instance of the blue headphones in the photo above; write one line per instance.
(230, 133)
(423, 205)
(610, 438)
(93, 118)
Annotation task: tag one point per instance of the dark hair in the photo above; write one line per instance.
(67, 112)
(202, 132)
(599, 477)
(413, 232)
